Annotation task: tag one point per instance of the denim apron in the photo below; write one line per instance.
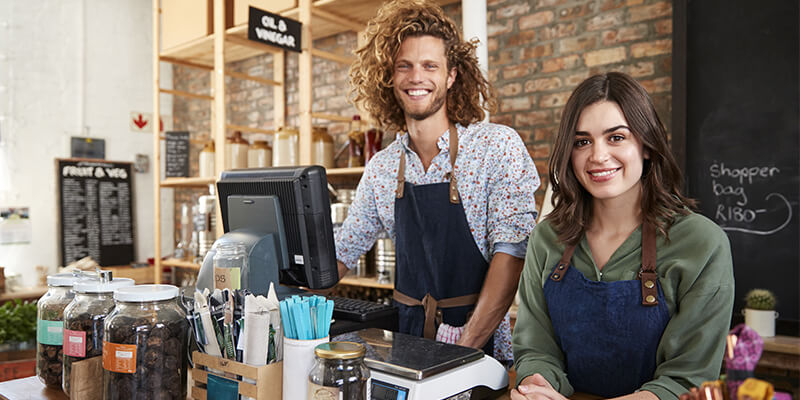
(608, 331)
(440, 270)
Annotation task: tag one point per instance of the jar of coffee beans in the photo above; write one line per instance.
(83, 321)
(145, 344)
(339, 372)
(50, 326)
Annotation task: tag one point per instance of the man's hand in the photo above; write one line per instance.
(496, 296)
(342, 269)
(535, 387)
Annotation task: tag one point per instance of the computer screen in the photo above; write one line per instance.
(292, 203)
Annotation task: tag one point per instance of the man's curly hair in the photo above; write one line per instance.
(371, 75)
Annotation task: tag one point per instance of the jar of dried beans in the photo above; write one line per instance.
(83, 322)
(145, 345)
(50, 326)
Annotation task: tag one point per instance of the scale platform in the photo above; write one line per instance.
(405, 367)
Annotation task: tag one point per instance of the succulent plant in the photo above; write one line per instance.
(760, 299)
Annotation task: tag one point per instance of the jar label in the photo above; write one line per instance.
(50, 332)
(74, 343)
(119, 357)
(317, 392)
(227, 278)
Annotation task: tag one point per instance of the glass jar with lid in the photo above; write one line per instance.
(285, 148)
(230, 261)
(145, 345)
(49, 328)
(339, 372)
(83, 321)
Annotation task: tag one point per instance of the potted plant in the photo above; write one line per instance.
(759, 312)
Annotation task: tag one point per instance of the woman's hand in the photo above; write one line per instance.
(535, 387)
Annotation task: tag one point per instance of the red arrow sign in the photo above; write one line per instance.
(140, 122)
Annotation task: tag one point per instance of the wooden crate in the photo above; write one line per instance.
(269, 378)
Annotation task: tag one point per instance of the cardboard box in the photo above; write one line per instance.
(185, 20)
(241, 8)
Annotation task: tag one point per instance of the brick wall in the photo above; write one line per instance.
(539, 50)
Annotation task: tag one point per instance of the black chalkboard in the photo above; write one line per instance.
(742, 135)
(177, 154)
(95, 211)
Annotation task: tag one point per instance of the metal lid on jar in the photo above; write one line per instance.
(340, 350)
(143, 293)
(96, 286)
(66, 279)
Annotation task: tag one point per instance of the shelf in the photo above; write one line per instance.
(364, 282)
(344, 171)
(28, 293)
(188, 182)
(327, 21)
(174, 262)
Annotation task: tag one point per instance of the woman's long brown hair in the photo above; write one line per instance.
(661, 178)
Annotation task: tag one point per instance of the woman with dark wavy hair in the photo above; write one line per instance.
(625, 291)
(454, 193)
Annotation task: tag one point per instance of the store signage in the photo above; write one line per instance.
(177, 154)
(274, 30)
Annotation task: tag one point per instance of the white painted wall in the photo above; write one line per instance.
(73, 68)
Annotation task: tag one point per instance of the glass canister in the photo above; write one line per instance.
(239, 148)
(339, 372)
(83, 321)
(207, 160)
(322, 147)
(259, 155)
(285, 148)
(372, 143)
(50, 328)
(145, 345)
(230, 260)
(356, 143)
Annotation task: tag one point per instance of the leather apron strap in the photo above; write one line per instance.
(647, 274)
(453, 150)
(431, 305)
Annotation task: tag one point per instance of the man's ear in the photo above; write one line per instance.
(451, 77)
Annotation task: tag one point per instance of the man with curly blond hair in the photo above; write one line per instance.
(454, 193)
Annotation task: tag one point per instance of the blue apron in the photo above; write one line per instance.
(440, 270)
(608, 331)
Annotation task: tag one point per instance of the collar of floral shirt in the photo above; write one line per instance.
(443, 142)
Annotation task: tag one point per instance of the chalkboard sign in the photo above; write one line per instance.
(95, 211)
(742, 136)
(177, 154)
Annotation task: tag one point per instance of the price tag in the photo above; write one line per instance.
(227, 278)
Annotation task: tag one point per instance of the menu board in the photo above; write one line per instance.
(177, 154)
(95, 211)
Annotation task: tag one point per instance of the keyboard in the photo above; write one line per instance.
(359, 310)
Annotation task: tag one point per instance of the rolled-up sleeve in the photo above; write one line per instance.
(511, 214)
(361, 227)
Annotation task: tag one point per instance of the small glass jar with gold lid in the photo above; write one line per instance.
(339, 372)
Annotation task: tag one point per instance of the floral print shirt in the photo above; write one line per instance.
(496, 182)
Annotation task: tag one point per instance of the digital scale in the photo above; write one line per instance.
(405, 367)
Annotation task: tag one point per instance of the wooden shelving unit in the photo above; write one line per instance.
(214, 52)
